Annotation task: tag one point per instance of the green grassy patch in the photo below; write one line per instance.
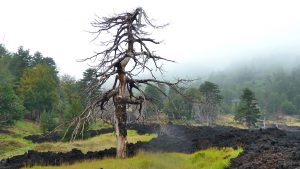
(212, 158)
(12, 143)
(99, 124)
(11, 146)
(96, 143)
(25, 128)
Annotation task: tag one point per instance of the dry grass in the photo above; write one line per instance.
(97, 143)
(228, 120)
(290, 120)
(293, 120)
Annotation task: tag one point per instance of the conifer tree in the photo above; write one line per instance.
(248, 110)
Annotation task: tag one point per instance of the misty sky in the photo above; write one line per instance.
(202, 35)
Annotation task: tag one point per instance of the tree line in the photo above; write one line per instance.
(30, 88)
(201, 105)
(276, 87)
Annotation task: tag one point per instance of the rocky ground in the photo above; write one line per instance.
(265, 148)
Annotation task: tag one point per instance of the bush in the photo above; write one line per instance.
(47, 121)
(11, 108)
(288, 107)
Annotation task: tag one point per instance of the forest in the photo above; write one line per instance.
(31, 89)
(32, 85)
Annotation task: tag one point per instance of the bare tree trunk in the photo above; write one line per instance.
(121, 118)
(120, 127)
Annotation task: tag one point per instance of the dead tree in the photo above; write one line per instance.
(128, 43)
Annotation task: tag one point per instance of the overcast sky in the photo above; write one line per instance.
(202, 34)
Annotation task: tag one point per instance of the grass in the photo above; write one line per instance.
(222, 120)
(99, 124)
(212, 158)
(25, 128)
(13, 143)
(290, 120)
(11, 146)
(96, 143)
(228, 120)
(293, 120)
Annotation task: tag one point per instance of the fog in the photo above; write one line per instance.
(203, 69)
(202, 36)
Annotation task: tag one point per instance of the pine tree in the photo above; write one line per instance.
(211, 92)
(211, 102)
(248, 110)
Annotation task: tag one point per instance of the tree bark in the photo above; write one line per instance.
(120, 112)
(121, 118)
(120, 127)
